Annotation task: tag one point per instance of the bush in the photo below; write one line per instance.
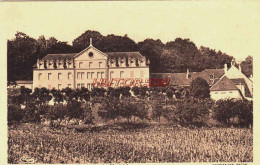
(15, 114)
(225, 110)
(109, 109)
(31, 114)
(87, 114)
(74, 110)
(58, 111)
(191, 111)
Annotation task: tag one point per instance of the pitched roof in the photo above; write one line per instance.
(224, 84)
(24, 82)
(59, 56)
(181, 78)
(124, 54)
(238, 81)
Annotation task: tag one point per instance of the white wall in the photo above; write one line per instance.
(217, 95)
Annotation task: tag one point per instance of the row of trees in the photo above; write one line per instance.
(190, 106)
(174, 56)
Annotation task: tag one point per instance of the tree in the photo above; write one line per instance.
(114, 43)
(21, 56)
(152, 49)
(41, 96)
(98, 92)
(199, 88)
(247, 66)
(231, 108)
(74, 110)
(83, 40)
(191, 111)
(109, 109)
(58, 96)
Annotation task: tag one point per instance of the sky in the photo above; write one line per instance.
(232, 27)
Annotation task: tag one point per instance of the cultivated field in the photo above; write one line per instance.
(42, 144)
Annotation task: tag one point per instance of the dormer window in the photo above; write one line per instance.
(211, 77)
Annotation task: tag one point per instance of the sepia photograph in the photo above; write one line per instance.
(96, 82)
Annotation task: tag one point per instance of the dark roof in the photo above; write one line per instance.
(124, 54)
(238, 81)
(224, 84)
(24, 82)
(181, 78)
(59, 56)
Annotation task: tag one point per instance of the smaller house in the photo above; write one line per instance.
(233, 84)
(224, 83)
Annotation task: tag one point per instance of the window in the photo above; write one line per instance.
(80, 64)
(111, 74)
(59, 76)
(131, 73)
(78, 85)
(90, 54)
(78, 75)
(59, 86)
(102, 75)
(82, 75)
(39, 76)
(49, 76)
(69, 75)
(98, 75)
(90, 64)
(82, 85)
(89, 86)
(69, 85)
(92, 75)
(88, 75)
(100, 64)
(141, 73)
(121, 74)
(211, 76)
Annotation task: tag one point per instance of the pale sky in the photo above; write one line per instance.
(232, 27)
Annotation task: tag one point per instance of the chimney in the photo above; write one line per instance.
(188, 73)
(233, 62)
(225, 67)
(90, 41)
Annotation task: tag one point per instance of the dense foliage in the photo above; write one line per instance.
(174, 56)
(199, 88)
(173, 105)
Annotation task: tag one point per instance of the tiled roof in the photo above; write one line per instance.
(24, 82)
(59, 56)
(223, 85)
(124, 54)
(238, 81)
(181, 78)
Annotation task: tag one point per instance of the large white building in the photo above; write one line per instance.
(90, 66)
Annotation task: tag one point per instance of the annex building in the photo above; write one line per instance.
(76, 70)
(225, 83)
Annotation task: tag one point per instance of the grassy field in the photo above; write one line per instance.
(42, 144)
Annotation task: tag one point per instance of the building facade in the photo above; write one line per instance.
(89, 68)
